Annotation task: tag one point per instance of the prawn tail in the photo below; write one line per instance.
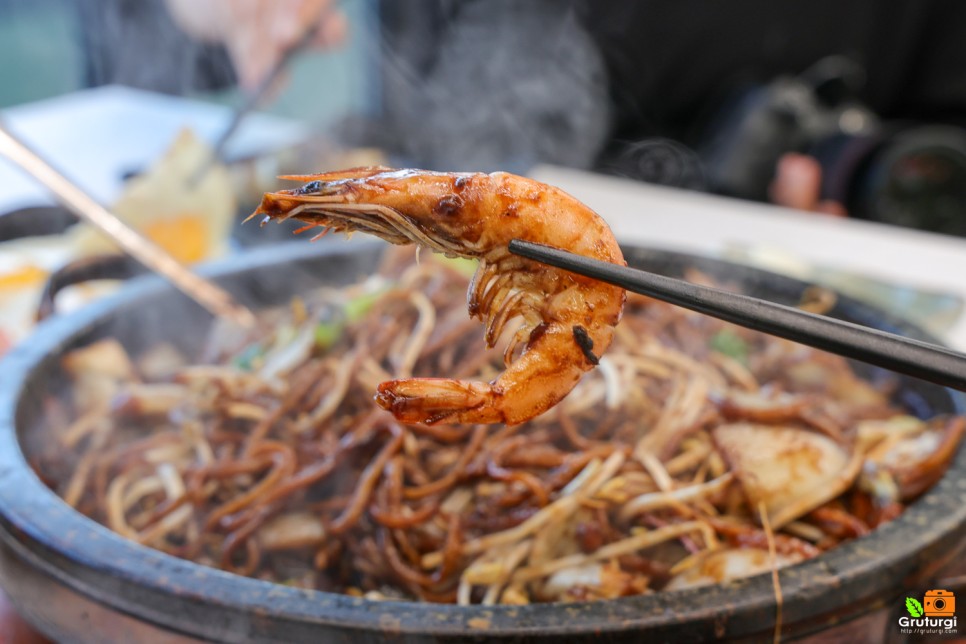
(433, 400)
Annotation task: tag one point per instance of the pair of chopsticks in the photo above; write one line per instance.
(911, 357)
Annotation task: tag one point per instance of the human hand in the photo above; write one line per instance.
(798, 184)
(257, 33)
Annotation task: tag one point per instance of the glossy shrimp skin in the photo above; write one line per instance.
(568, 320)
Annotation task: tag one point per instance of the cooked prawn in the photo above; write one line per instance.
(568, 320)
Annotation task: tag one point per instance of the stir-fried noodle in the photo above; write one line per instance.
(656, 472)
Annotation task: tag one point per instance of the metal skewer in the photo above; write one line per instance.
(205, 293)
(914, 358)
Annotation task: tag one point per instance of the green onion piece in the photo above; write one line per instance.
(327, 334)
(357, 307)
(730, 344)
(462, 265)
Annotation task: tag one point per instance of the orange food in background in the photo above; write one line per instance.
(184, 236)
(190, 219)
(23, 276)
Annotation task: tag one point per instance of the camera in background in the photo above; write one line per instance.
(894, 172)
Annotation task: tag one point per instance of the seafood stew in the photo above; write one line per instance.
(658, 472)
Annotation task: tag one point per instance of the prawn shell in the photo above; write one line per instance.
(568, 319)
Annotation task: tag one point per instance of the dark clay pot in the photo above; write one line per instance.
(77, 581)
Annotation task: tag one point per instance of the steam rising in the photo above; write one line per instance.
(493, 85)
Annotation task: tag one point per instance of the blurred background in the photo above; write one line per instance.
(49, 47)
(727, 100)
(848, 109)
(851, 109)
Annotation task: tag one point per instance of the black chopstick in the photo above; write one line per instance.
(911, 357)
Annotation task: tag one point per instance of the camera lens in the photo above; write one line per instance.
(939, 604)
(661, 161)
(916, 179)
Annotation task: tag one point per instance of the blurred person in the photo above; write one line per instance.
(137, 43)
(182, 46)
(686, 75)
(463, 84)
(466, 85)
(637, 88)
(624, 87)
(257, 33)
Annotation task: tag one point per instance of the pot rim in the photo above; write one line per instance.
(112, 569)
